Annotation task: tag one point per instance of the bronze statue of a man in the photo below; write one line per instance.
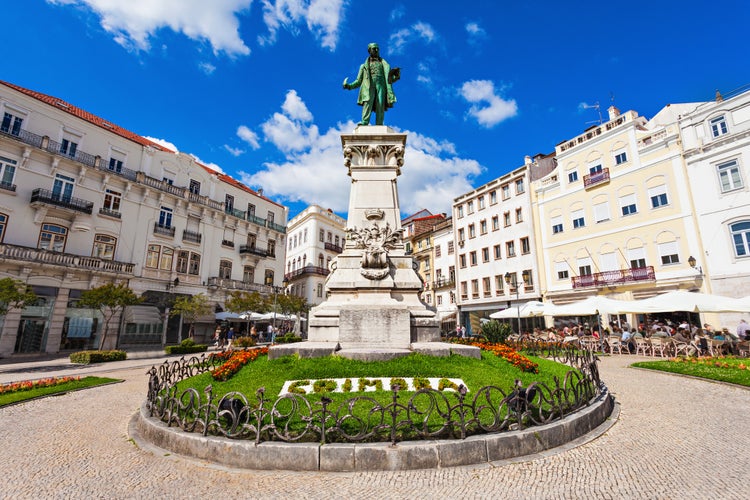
(375, 82)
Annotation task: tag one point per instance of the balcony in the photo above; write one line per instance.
(443, 283)
(41, 196)
(161, 185)
(321, 271)
(618, 277)
(276, 227)
(163, 230)
(110, 213)
(595, 179)
(334, 248)
(256, 220)
(191, 236)
(227, 243)
(235, 213)
(71, 261)
(230, 284)
(8, 186)
(252, 249)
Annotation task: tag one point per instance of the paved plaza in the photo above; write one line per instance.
(676, 437)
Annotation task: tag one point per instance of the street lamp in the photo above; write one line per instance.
(511, 278)
(276, 289)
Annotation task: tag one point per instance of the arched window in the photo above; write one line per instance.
(321, 260)
(741, 237)
(53, 237)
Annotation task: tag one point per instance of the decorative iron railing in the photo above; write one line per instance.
(110, 213)
(424, 414)
(333, 247)
(191, 236)
(230, 284)
(591, 180)
(252, 249)
(47, 197)
(322, 271)
(163, 230)
(614, 277)
(8, 186)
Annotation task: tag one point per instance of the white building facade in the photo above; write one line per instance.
(84, 202)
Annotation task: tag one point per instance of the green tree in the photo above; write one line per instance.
(111, 299)
(191, 308)
(240, 302)
(14, 294)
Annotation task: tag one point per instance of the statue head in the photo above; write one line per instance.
(373, 49)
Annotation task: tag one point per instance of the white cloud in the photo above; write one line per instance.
(313, 170)
(134, 22)
(207, 68)
(212, 166)
(234, 151)
(248, 136)
(487, 108)
(288, 131)
(163, 143)
(476, 33)
(322, 18)
(294, 108)
(405, 36)
(398, 12)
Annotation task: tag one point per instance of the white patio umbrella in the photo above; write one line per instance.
(529, 309)
(682, 300)
(595, 304)
(226, 315)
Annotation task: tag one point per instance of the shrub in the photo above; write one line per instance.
(187, 342)
(244, 342)
(496, 332)
(185, 349)
(88, 357)
(288, 338)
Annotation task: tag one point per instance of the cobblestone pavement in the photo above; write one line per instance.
(675, 438)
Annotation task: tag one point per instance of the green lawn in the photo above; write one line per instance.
(724, 369)
(74, 385)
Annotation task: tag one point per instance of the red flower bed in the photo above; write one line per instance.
(235, 360)
(27, 385)
(511, 355)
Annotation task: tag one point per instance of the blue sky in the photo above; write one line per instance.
(253, 87)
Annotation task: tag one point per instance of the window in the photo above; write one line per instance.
(304, 237)
(584, 270)
(573, 176)
(225, 269)
(437, 251)
(561, 268)
(729, 176)
(152, 256)
(462, 260)
(621, 157)
(270, 217)
(182, 261)
(451, 248)
(116, 166)
(528, 280)
(595, 169)
(112, 200)
(7, 172)
(637, 258)
(11, 124)
(472, 231)
(228, 203)
(272, 248)
(268, 277)
(608, 262)
(251, 209)
(668, 253)
(460, 211)
(495, 223)
(519, 215)
(69, 146)
(480, 202)
(486, 288)
(601, 212)
(451, 273)
(165, 217)
(322, 235)
(498, 251)
(483, 226)
(486, 254)
(578, 218)
(164, 179)
(167, 256)
(336, 240)
(195, 264)
(519, 187)
(440, 300)
(658, 196)
(506, 219)
(510, 248)
(62, 189)
(718, 126)
(473, 258)
(464, 291)
(3, 225)
(104, 247)
(474, 289)
(493, 197)
(525, 245)
(195, 187)
(470, 207)
(557, 224)
(248, 274)
(506, 191)
(320, 290)
(741, 238)
(251, 240)
(499, 284)
(329, 236)
(627, 205)
(52, 237)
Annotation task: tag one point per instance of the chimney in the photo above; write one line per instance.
(613, 112)
(527, 160)
(260, 191)
(719, 97)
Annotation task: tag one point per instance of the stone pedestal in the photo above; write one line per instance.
(373, 310)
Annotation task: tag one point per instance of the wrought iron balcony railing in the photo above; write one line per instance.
(163, 230)
(191, 236)
(322, 271)
(8, 186)
(252, 249)
(230, 284)
(443, 283)
(614, 277)
(595, 179)
(47, 197)
(110, 213)
(333, 247)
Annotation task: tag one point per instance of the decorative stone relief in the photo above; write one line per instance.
(373, 155)
(375, 243)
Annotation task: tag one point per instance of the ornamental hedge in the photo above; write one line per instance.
(88, 357)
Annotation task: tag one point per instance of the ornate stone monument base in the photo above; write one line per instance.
(373, 311)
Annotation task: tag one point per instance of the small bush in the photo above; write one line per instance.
(496, 332)
(244, 342)
(186, 349)
(88, 357)
(288, 339)
(187, 342)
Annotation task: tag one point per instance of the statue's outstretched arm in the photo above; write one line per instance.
(356, 83)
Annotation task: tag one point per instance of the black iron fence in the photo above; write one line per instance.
(424, 414)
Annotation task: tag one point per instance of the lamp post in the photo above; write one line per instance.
(510, 278)
(276, 289)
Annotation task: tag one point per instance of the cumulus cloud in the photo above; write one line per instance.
(133, 23)
(207, 68)
(419, 31)
(475, 32)
(248, 136)
(290, 130)
(313, 170)
(487, 107)
(164, 143)
(322, 18)
(212, 166)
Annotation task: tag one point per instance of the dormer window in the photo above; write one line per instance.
(718, 126)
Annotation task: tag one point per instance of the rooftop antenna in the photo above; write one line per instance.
(597, 108)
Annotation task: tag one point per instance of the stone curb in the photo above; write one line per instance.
(351, 457)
